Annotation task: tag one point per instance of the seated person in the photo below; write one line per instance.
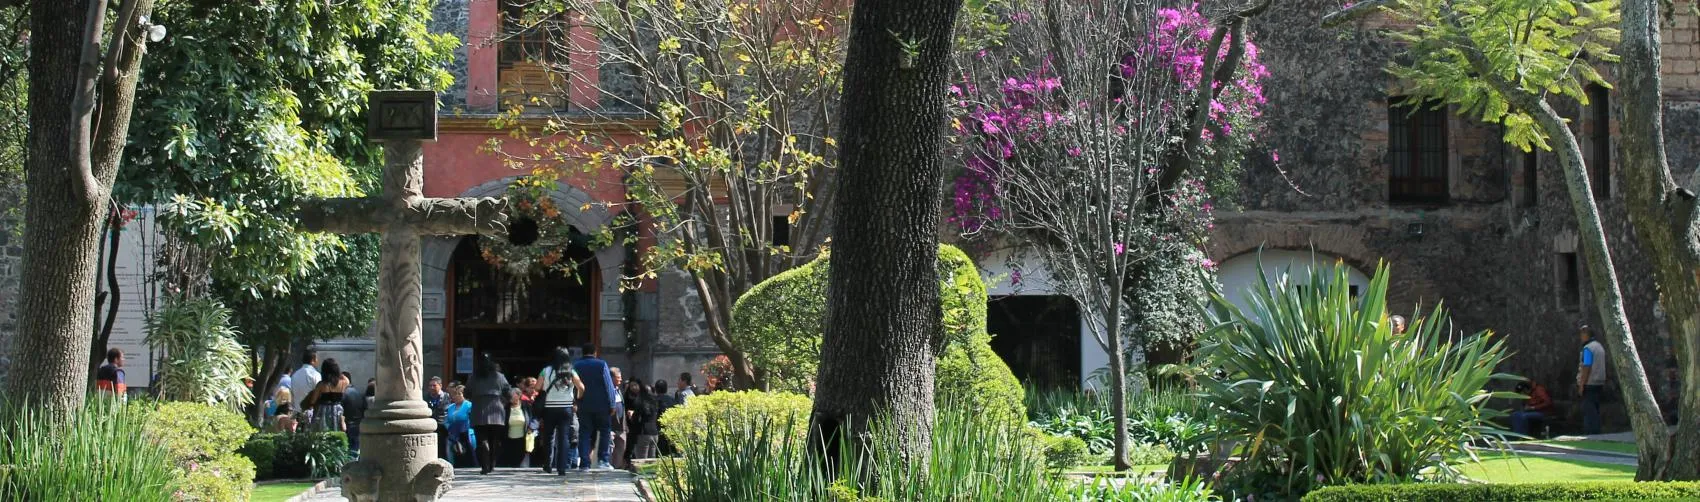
(1534, 410)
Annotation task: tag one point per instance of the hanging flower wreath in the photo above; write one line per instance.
(538, 236)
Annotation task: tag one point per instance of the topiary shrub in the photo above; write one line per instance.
(261, 449)
(736, 415)
(196, 431)
(230, 477)
(202, 440)
(778, 323)
(1062, 452)
(1450, 492)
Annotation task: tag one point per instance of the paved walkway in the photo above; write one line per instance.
(529, 485)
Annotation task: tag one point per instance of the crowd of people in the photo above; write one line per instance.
(575, 414)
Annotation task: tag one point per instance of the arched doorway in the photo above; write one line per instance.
(518, 320)
(1238, 275)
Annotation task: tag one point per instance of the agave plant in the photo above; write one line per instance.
(203, 361)
(1320, 390)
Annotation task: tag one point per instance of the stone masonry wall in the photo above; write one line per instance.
(1490, 257)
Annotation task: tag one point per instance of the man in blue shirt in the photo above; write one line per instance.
(1591, 380)
(596, 408)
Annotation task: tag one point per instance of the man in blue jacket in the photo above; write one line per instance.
(596, 409)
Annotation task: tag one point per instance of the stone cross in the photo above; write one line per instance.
(398, 439)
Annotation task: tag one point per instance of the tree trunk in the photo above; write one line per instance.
(67, 197)
(61, 230)
(1118, 379)
(882, 327)
(113, 294)
(1650, 436)
(1663, 216)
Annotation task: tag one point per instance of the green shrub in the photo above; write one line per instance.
(1448, 492)
(1107, 490)
(261, 449)
(1062, 452)
(103, 455)
(1321, 392)
(311, 454)
(778, 323)
(203, 440)
(230, 477)
(735, 414)
(1149, 454)
(198, 432)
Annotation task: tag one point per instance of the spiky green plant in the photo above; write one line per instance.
(101, 453)
(203, 361)
(1321, 391)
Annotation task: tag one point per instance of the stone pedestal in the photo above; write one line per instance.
(397, 468)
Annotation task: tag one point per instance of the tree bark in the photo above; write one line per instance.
(1651, 438)
(883, 315)
(1118, 378)
(62, 221)
(1663, 216)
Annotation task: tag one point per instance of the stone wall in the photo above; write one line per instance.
(1490, 257)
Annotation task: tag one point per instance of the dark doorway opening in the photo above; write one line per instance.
(518, 320)
(1039, 337)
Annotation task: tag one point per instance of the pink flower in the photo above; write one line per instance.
(1120, 248)
(1275, 155)
(1074, 151)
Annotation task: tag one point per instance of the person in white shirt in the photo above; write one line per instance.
(303, 380)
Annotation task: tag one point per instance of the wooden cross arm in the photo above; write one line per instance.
(424, 216)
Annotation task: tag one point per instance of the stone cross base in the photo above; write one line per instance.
(422, 477)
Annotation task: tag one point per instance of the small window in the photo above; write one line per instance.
(1531, 189)
(1569, 278)
(1417, 152)
(1599, 135)
(782, 230)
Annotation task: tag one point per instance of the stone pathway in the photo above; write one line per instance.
(529, 485)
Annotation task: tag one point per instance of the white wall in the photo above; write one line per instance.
(1035, 280)
(1239, 274)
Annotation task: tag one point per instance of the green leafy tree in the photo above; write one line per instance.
(735, 176)
(1507, 63)
(335, 300)
(252, 106)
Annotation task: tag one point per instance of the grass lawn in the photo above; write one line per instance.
(278, 492)
(1611, 446)
(1532, 469)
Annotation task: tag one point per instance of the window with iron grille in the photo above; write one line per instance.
(1599, 135)
(1417, 152)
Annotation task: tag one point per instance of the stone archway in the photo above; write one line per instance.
(437, 252)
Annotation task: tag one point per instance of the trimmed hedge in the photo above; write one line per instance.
(261, 449)
(1441, 492)
(203, 440)
(778, 322)
(736, 415)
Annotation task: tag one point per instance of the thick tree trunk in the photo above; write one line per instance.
(67, 181)
(1663, 216)
(1650, 432)
(883, 317)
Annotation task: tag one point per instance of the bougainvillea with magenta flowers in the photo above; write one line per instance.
(1000, 119)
